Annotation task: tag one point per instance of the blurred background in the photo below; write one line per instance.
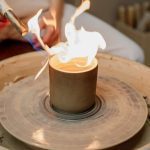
(131, 17)
(106, 9)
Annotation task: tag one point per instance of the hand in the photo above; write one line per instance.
(3, 22)
(49, 33)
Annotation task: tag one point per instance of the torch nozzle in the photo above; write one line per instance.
(22, 28)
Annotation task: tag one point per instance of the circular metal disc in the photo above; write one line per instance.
(23, 114)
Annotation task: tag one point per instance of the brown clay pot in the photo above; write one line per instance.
(72, 87)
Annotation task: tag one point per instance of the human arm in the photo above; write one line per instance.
(49, 32)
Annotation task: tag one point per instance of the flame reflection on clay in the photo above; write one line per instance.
(38, 136)
(94, 145)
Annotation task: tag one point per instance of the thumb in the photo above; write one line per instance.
(4, 23)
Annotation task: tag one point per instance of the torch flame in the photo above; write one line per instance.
(85, 5)
(34, 28)
(79, 43)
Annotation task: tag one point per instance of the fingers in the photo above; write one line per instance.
(51, 36)
(41, 23)
(48, 34)
(3, 22)
(55, 38)
(2, 18)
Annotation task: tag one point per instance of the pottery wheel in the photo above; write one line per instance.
(23, 113)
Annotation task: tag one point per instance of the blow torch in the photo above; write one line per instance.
(8, 13)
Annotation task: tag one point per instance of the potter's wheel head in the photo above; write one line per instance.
(25, 113)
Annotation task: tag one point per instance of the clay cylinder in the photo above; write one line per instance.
(72, 86)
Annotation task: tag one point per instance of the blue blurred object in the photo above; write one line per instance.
(29, 37)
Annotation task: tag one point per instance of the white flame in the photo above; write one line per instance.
(85, 5)
(79, 43)
(34, 28)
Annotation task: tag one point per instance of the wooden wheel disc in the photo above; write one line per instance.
(122, 114)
